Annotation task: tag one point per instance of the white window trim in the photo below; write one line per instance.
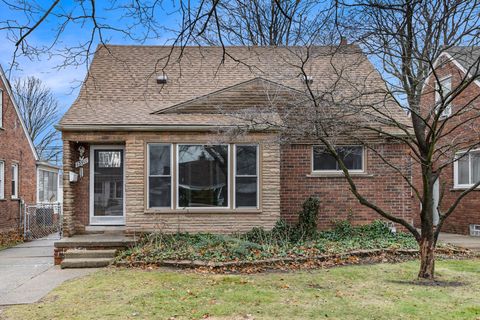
(234, 182)
(457, 185)
(447, 112)
(15, 177)
(337, 171)
(2, 179)
(171, 174)
(229, 176)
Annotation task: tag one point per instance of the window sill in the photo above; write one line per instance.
(339, 175)
(203, 211)
(463, 189)
(15, 198)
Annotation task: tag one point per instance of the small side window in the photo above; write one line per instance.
(14, 181)
(352, 157)
(443, 88)
(2, 180)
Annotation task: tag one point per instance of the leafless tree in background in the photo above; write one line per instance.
(404, 38)
(40, 112)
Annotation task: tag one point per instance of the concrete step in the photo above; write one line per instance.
(86, 263)
(87, 254)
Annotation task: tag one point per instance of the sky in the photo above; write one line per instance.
(65, 81)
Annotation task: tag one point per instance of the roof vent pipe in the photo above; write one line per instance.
(308, 79)
(162, 79)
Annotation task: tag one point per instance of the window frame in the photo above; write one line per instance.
(319, 171)
(55, 172)
(229, 177)
(15, 178)
(234, 175)
(438, 84)
(458, 155)
(172, 186)
(2, 179)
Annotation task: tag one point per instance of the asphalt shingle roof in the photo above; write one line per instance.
(468, 57)
(121, 87)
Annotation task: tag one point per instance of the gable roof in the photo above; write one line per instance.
(17, 111)
(257, 92)
(465, 58)
(121, 90)
(468, 57)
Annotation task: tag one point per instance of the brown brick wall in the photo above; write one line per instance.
(380, 184)
(466, 133)
(76, 206)
(15, 148)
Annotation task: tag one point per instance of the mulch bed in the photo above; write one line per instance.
(299, 263)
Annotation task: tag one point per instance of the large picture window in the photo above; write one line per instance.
(352, 157)
(47, 186)
(203, 176)
(159, 175)
(246, 176)
(467, 169)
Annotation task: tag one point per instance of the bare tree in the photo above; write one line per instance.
(40, 111)
(407, 40)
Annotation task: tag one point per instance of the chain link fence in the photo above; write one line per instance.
(42, 220)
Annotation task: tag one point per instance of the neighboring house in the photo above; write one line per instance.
(19, 164)
(142, 149)
(455, 64)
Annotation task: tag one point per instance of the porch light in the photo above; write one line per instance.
(162, 79)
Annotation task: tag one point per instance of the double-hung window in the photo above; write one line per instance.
(246, 176)
(443, 88)
(2, 180)
(467, 169)
(14, 181)
(352, 157)
(159, 175)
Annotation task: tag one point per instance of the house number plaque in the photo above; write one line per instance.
(82, 160)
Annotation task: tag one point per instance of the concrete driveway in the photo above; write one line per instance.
(468, 242)
(27, 273)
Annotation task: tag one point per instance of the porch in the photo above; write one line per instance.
(91, 250)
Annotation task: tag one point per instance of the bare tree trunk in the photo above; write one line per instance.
(427, 257)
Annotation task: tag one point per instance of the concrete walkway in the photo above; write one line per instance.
(27, 273)
(468, 242)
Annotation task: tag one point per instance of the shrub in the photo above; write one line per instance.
(284, 240)
(307, 218)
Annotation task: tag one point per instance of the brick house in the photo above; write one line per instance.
(142, 148)
(453, 66)
(23, 177)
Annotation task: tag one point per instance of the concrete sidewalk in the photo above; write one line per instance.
(468, 242)
(27, 273)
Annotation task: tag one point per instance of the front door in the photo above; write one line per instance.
(107, 185)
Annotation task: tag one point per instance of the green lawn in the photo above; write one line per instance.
(382, 291)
